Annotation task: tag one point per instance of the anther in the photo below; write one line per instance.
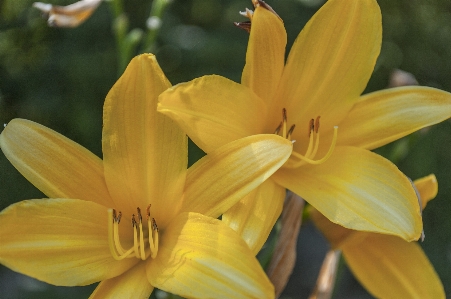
(154, 225)
(311, 127)
(284, 121)
(140, 217)
(290, 131)
(117, 218)
(133, 220)
(317, 124)
(148, 211)
(283, 126)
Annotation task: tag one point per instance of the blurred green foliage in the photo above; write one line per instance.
(59, 78)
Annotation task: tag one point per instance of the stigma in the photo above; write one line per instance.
(145, 239)
(313, 145)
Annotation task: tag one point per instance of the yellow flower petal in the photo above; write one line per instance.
(265, 57)
(254, 216)
(145, 153)
(214, 111)
(53, 163)
(360, 190)
(389, 267)
(219, 180)
(331, 62)
(59, 241)
(132, 284)
(200, 251)
(340, 237)
(384, 116)
(427, 188)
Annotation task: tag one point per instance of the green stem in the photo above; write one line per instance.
(154, 24)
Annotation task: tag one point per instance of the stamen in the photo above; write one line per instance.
(113, 237)
(138, 249)
(305, 159)
(317, 124)
(278, 129)
(148, 212)
(311, 127)
(151, 241)
(311, 136)
(154, 225)
(283, 126)
(153, 234)
(315, 148)
(111, 222)
(135, 236)
(290, 131)
(154, 252)
(284, 121)
(141, 235)
(116, 220)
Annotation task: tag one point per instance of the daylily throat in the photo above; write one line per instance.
(313, 145)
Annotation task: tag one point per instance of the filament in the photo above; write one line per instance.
(309, 159)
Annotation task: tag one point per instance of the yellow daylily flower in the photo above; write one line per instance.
(70, 15)
(321, 83)
(387, 266)
(137, 219)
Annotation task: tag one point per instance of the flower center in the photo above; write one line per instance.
(141, 236)
(312, 148)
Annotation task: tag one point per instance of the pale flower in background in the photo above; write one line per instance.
(68, 16)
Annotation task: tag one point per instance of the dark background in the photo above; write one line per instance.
(60, 77)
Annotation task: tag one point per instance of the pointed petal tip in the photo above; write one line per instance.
(427, 188)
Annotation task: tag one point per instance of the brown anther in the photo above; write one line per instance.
(154, 225)
(114, 215)
(134, 220)
(311, 127)
(243, 25)
(278, 129)
(148, 211)
(284, 115)
(140, 217)
(317, 124)
(290, 131)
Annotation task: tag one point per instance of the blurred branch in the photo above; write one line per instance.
(326, 278)
(284, 257)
